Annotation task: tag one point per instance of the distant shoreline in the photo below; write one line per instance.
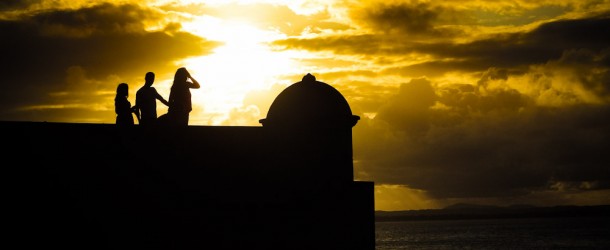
(493, 212)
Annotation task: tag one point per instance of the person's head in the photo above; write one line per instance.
(122, 90)
(181, 75)
(149, 78)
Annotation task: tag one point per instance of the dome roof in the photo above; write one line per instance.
(310, 103)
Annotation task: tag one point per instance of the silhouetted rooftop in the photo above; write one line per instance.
(310, 103)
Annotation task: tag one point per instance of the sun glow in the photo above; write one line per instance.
(242, 64)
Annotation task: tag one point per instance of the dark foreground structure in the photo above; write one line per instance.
(286, 185)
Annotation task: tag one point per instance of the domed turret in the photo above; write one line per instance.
(310, 103)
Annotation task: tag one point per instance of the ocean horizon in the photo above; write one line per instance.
(506, 233)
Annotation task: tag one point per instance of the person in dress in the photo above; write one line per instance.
(122, 106)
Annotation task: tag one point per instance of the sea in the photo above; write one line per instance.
(507, 233)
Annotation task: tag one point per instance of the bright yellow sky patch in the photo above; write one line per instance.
(242, 64)
(396, 197)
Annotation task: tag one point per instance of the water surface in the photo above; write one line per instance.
(525, 233)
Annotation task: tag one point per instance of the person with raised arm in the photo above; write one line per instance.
(180, 104)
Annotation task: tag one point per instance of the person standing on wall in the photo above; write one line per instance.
(180, 104)
(122, 106)
(146, 101)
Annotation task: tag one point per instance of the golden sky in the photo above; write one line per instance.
(488, 102)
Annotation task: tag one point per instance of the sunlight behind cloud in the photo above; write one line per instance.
(244, 63)
(299, 6)
(396, 197)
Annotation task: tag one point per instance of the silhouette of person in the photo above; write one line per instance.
(146, 101)
(122, 106)
(180, 104)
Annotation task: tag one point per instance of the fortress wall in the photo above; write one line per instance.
(94, 185)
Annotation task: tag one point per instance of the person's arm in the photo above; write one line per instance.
(136, 111)
(160, 98)
(194, 84)
(138, 104)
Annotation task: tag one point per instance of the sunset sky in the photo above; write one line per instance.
(487, 102)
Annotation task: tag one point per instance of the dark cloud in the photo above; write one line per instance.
(347, 44)
(104, 40)
(437, 68)
(412, 19)
(408, 110)
(480, 139)
(475, 143)
(590, 33)
(524, 16)
(97, 20)
(16, 4)
(547, 42)
(591, 70)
